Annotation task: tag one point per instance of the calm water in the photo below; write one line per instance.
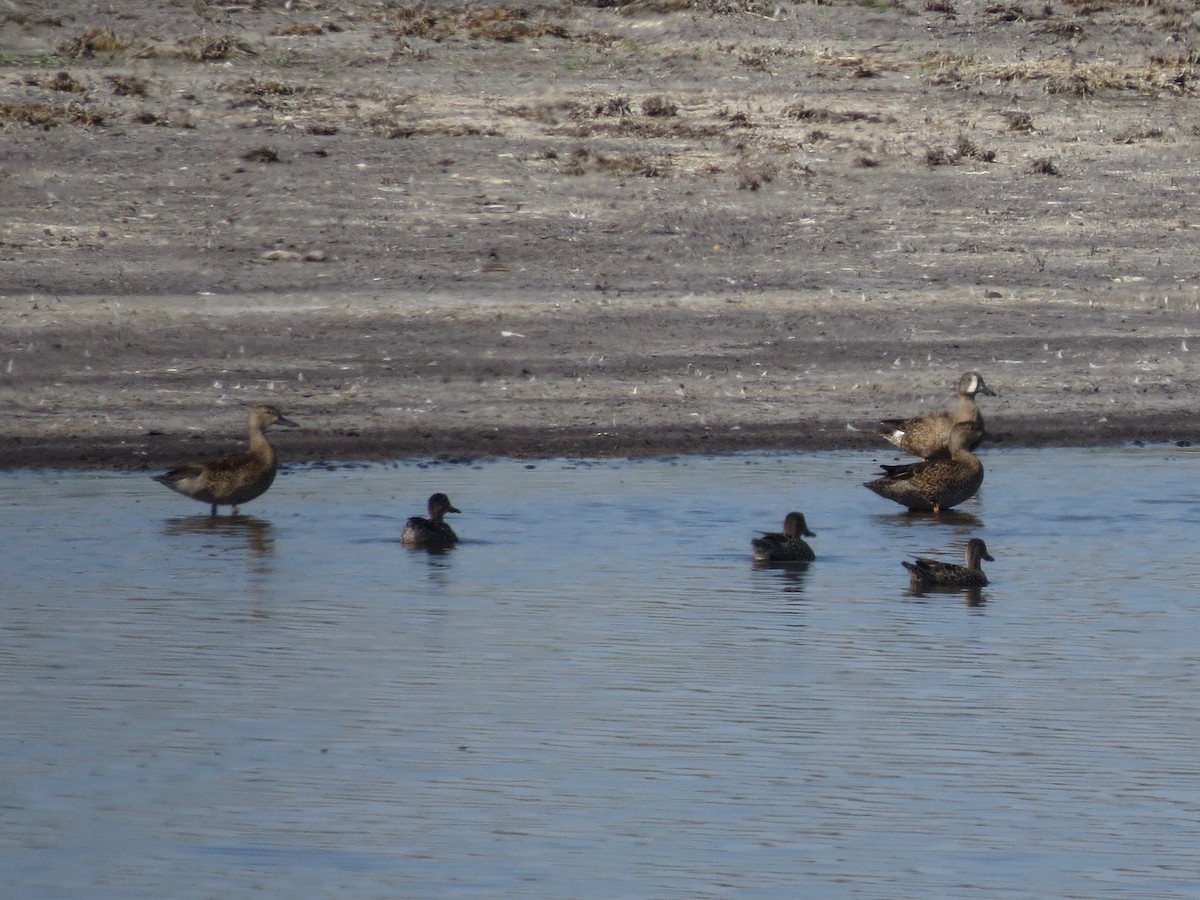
(596, 694)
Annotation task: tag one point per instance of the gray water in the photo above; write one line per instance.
(596, 694)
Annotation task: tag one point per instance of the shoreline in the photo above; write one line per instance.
(142, 452)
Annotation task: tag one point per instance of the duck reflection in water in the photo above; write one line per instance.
(250, 532)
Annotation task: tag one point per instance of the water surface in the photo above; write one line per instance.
(596, 694)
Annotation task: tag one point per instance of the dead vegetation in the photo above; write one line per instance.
(753, 176)
(1018, 120)
(1158, 74)
(92, 42)
(1136, 135)
(963, 149)
(1044, 165)
(128, 85)
(200, 48)
(659, 107)
(49, 115)
(59, 81)
(803, 113)
(261, 155)
(498, 23)
(583, 160)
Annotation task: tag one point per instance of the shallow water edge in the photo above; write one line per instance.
(118, 452)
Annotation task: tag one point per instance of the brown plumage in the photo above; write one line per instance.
(236, 478)
(928, 435)
(788, 547)
(928, 573)
(939, 483)
(431, 533)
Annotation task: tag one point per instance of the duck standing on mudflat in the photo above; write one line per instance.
(236, 478)
(930, 573)
(788, 547)
(431, 533)
(928, 435)
(939, 483)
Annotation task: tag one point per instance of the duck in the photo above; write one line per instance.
(788, 547)
(927, 573)
(928, 435)
(938, 483)
(237, 478)
(431, 533)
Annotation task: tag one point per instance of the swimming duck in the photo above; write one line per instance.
(939, 483)
(928, 435)
(236, 478)
(431, 533)
(789, 546)
(927, 573)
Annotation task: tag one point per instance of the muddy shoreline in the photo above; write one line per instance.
(149, 384)
(161, 451)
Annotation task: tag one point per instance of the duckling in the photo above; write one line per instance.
(431, 533)
(939, 483)
(788, 547)
(237, 478)
(928, 435)
(927, 573)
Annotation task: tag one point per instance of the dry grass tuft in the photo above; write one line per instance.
(261, 155)
(1061, 30)
(964, 148)
(803, 113)
(253, 87)
(422, 22)
(1045, 165)
(754, 177)
(1175, 75)
(659, 107)
(1018, 120)
(60, 81)
(49, 115)
(299, 30)
(497, 23)
(613, 106)
(201, 48)
(91, 42)
(624, 164)
(1133, 135)
(128, 85)
(1074, 84)
(508, 26)
(647, 7)
(997, 13)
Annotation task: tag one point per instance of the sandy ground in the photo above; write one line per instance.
(551, 228)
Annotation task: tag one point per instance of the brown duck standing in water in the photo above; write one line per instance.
(236, 478)
(931, 573)
(788, 547)
(928, 435)
(431, 533)
(939, 483)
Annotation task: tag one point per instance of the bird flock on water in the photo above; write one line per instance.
(946, 474)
